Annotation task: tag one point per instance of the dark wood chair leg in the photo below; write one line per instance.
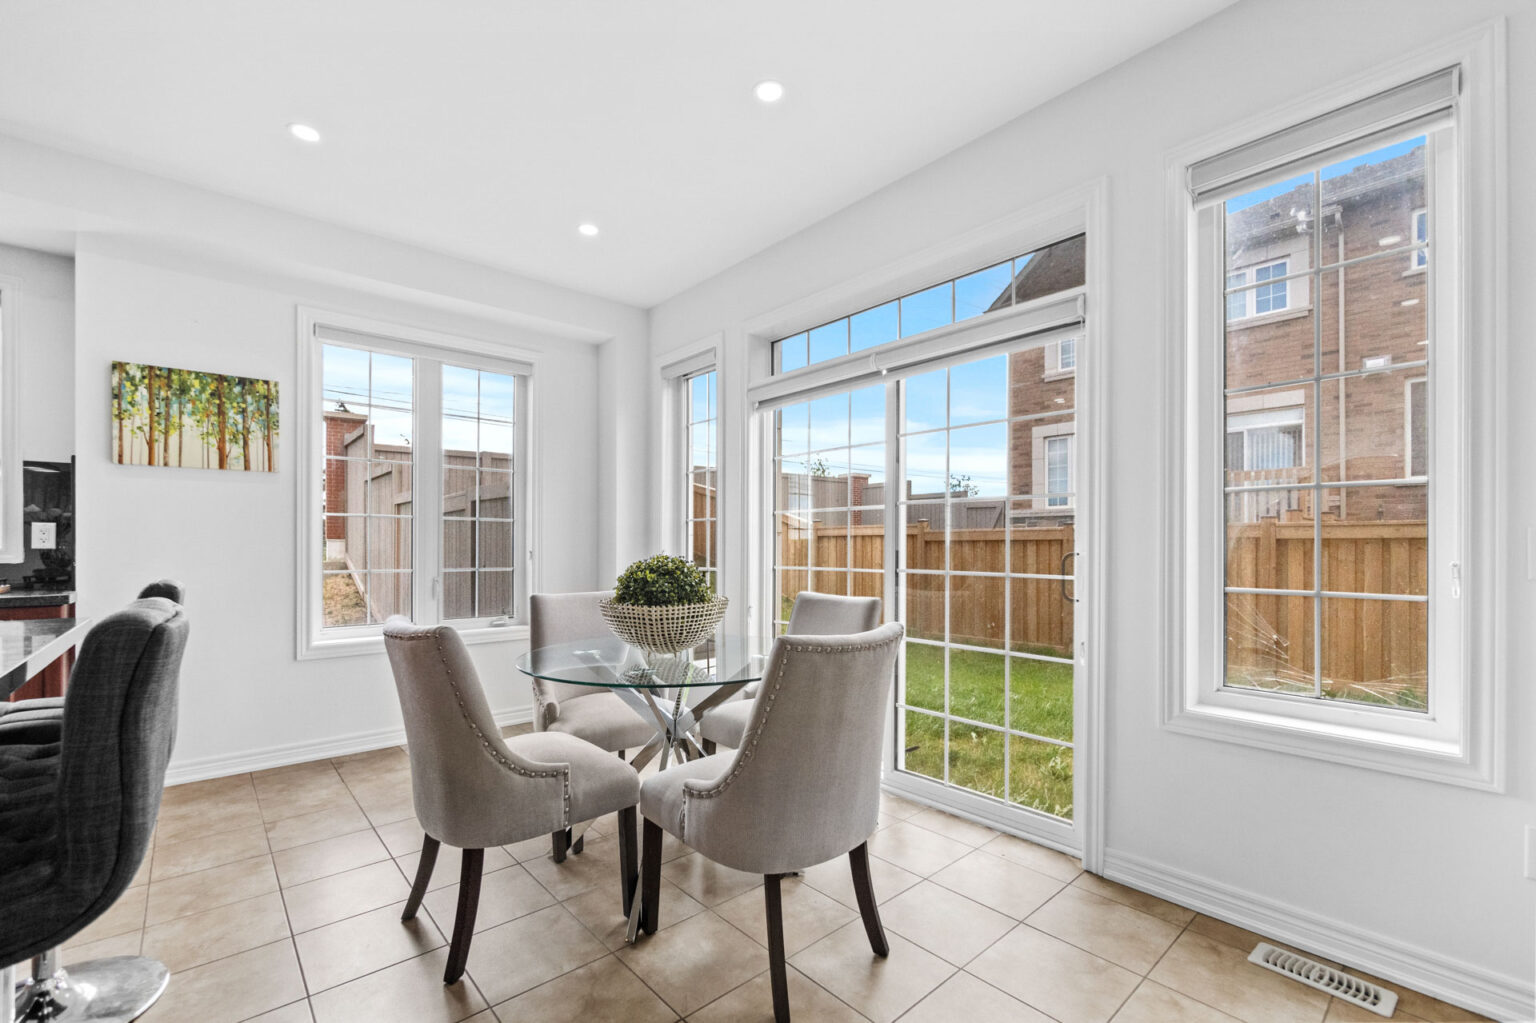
(858, 860)
(629, 876)
(709, 747)
(578, 845)
(650, 878)
(559, 845)
(776, 973)
(429, 847)
(464, 920)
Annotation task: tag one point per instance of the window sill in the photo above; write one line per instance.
(1336, 742)
(372, 642)
(1058, 374)
(1289, 313)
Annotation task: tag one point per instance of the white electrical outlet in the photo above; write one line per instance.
(45, 536)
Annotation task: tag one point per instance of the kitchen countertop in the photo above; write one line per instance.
(42, 596)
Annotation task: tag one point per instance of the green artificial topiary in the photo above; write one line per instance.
(662, 581)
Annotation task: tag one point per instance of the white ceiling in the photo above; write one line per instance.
(489, 130)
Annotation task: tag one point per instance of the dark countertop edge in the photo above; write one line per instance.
(36, 598)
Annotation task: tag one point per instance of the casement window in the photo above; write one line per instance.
(1324, 608)
(701, 472)
(416, 464)
(1060, 359)
(12, 542)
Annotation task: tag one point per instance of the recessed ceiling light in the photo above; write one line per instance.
(590, 230)
(768, 91)
(303, 132)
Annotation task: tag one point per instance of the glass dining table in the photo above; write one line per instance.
(674, 690)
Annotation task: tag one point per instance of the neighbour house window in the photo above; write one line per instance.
(1058, 469)
(1322, 597)
(421, 489)
(701, 503)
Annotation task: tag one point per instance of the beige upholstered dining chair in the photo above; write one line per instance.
(814, 614)
(803, 788)
(587, 712)
(474, 790)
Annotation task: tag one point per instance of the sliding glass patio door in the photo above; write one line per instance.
(952, 493)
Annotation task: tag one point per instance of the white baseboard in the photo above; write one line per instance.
(181, 771)
(1460, 983)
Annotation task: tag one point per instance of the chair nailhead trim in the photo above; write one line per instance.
(564, 774)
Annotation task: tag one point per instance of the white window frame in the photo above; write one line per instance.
(1054, 370)
(12, 532)
(675, 372)
(1461, 740)
(1250, 296)
(688, 521)
(1418, 260)
(431, 350)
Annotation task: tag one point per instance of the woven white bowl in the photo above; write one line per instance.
(665, 630)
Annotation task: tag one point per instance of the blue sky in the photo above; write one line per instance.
(1331, 171)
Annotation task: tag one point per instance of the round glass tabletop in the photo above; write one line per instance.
(610, 662)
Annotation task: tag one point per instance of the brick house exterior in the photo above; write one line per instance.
(338, 427)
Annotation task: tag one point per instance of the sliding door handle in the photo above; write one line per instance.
(1064, 559)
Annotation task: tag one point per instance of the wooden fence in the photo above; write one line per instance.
(1364, 641)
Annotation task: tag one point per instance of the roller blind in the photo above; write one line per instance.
(1422, 103)
(383, 342)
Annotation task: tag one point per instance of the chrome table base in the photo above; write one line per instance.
(114, 990)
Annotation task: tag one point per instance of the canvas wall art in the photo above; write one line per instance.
(188, 419)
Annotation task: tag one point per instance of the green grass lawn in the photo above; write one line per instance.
(1036, 774)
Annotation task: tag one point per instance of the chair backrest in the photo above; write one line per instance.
(466, 783)
(805, 784)
(170, 589)
(826, 614)
(562, 618)
(118, 732)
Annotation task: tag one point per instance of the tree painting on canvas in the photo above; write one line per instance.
(188, 419)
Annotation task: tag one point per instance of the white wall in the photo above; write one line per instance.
(229, 536)
(45, 331)
(1429, 872)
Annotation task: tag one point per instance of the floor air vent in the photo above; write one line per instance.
(1325, 978)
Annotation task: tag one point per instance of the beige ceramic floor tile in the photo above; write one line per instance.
(995, 882)
(342, 895)
(1108, 929)
(950, 926)
(412, 990)
(950, 826)
(916, 849)
(695, 961)
(449, 863)
(1153, 1003)
(401, 837)
(1222, 977)
(209, 889)
(234, 788)
(141, 876)
(603, 914)
(898, 808)
(835, 878)
(76, 951)
(235, 988)
(505, 895)
(596, 867)
(305, 828)
(706, 880)
(198, 938)
(331, 856)
(200, 819)
(191, 854)
(529, 849)
(1348, 1012)
(1157, 907)
(124, 915)
(752, 1002)
(520, 955)
(881, 989)
(963, 997)
(1237, 937)
(809, 915)
(293, 792)
(603, 990)
(1035, 857)
(293, 1012)
(358, 945)
(1059, 979)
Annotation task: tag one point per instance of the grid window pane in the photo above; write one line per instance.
(701, 503)
(479, 490)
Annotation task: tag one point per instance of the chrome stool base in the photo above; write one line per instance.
(114, 990)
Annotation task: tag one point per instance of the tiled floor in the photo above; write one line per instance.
(277, 896)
